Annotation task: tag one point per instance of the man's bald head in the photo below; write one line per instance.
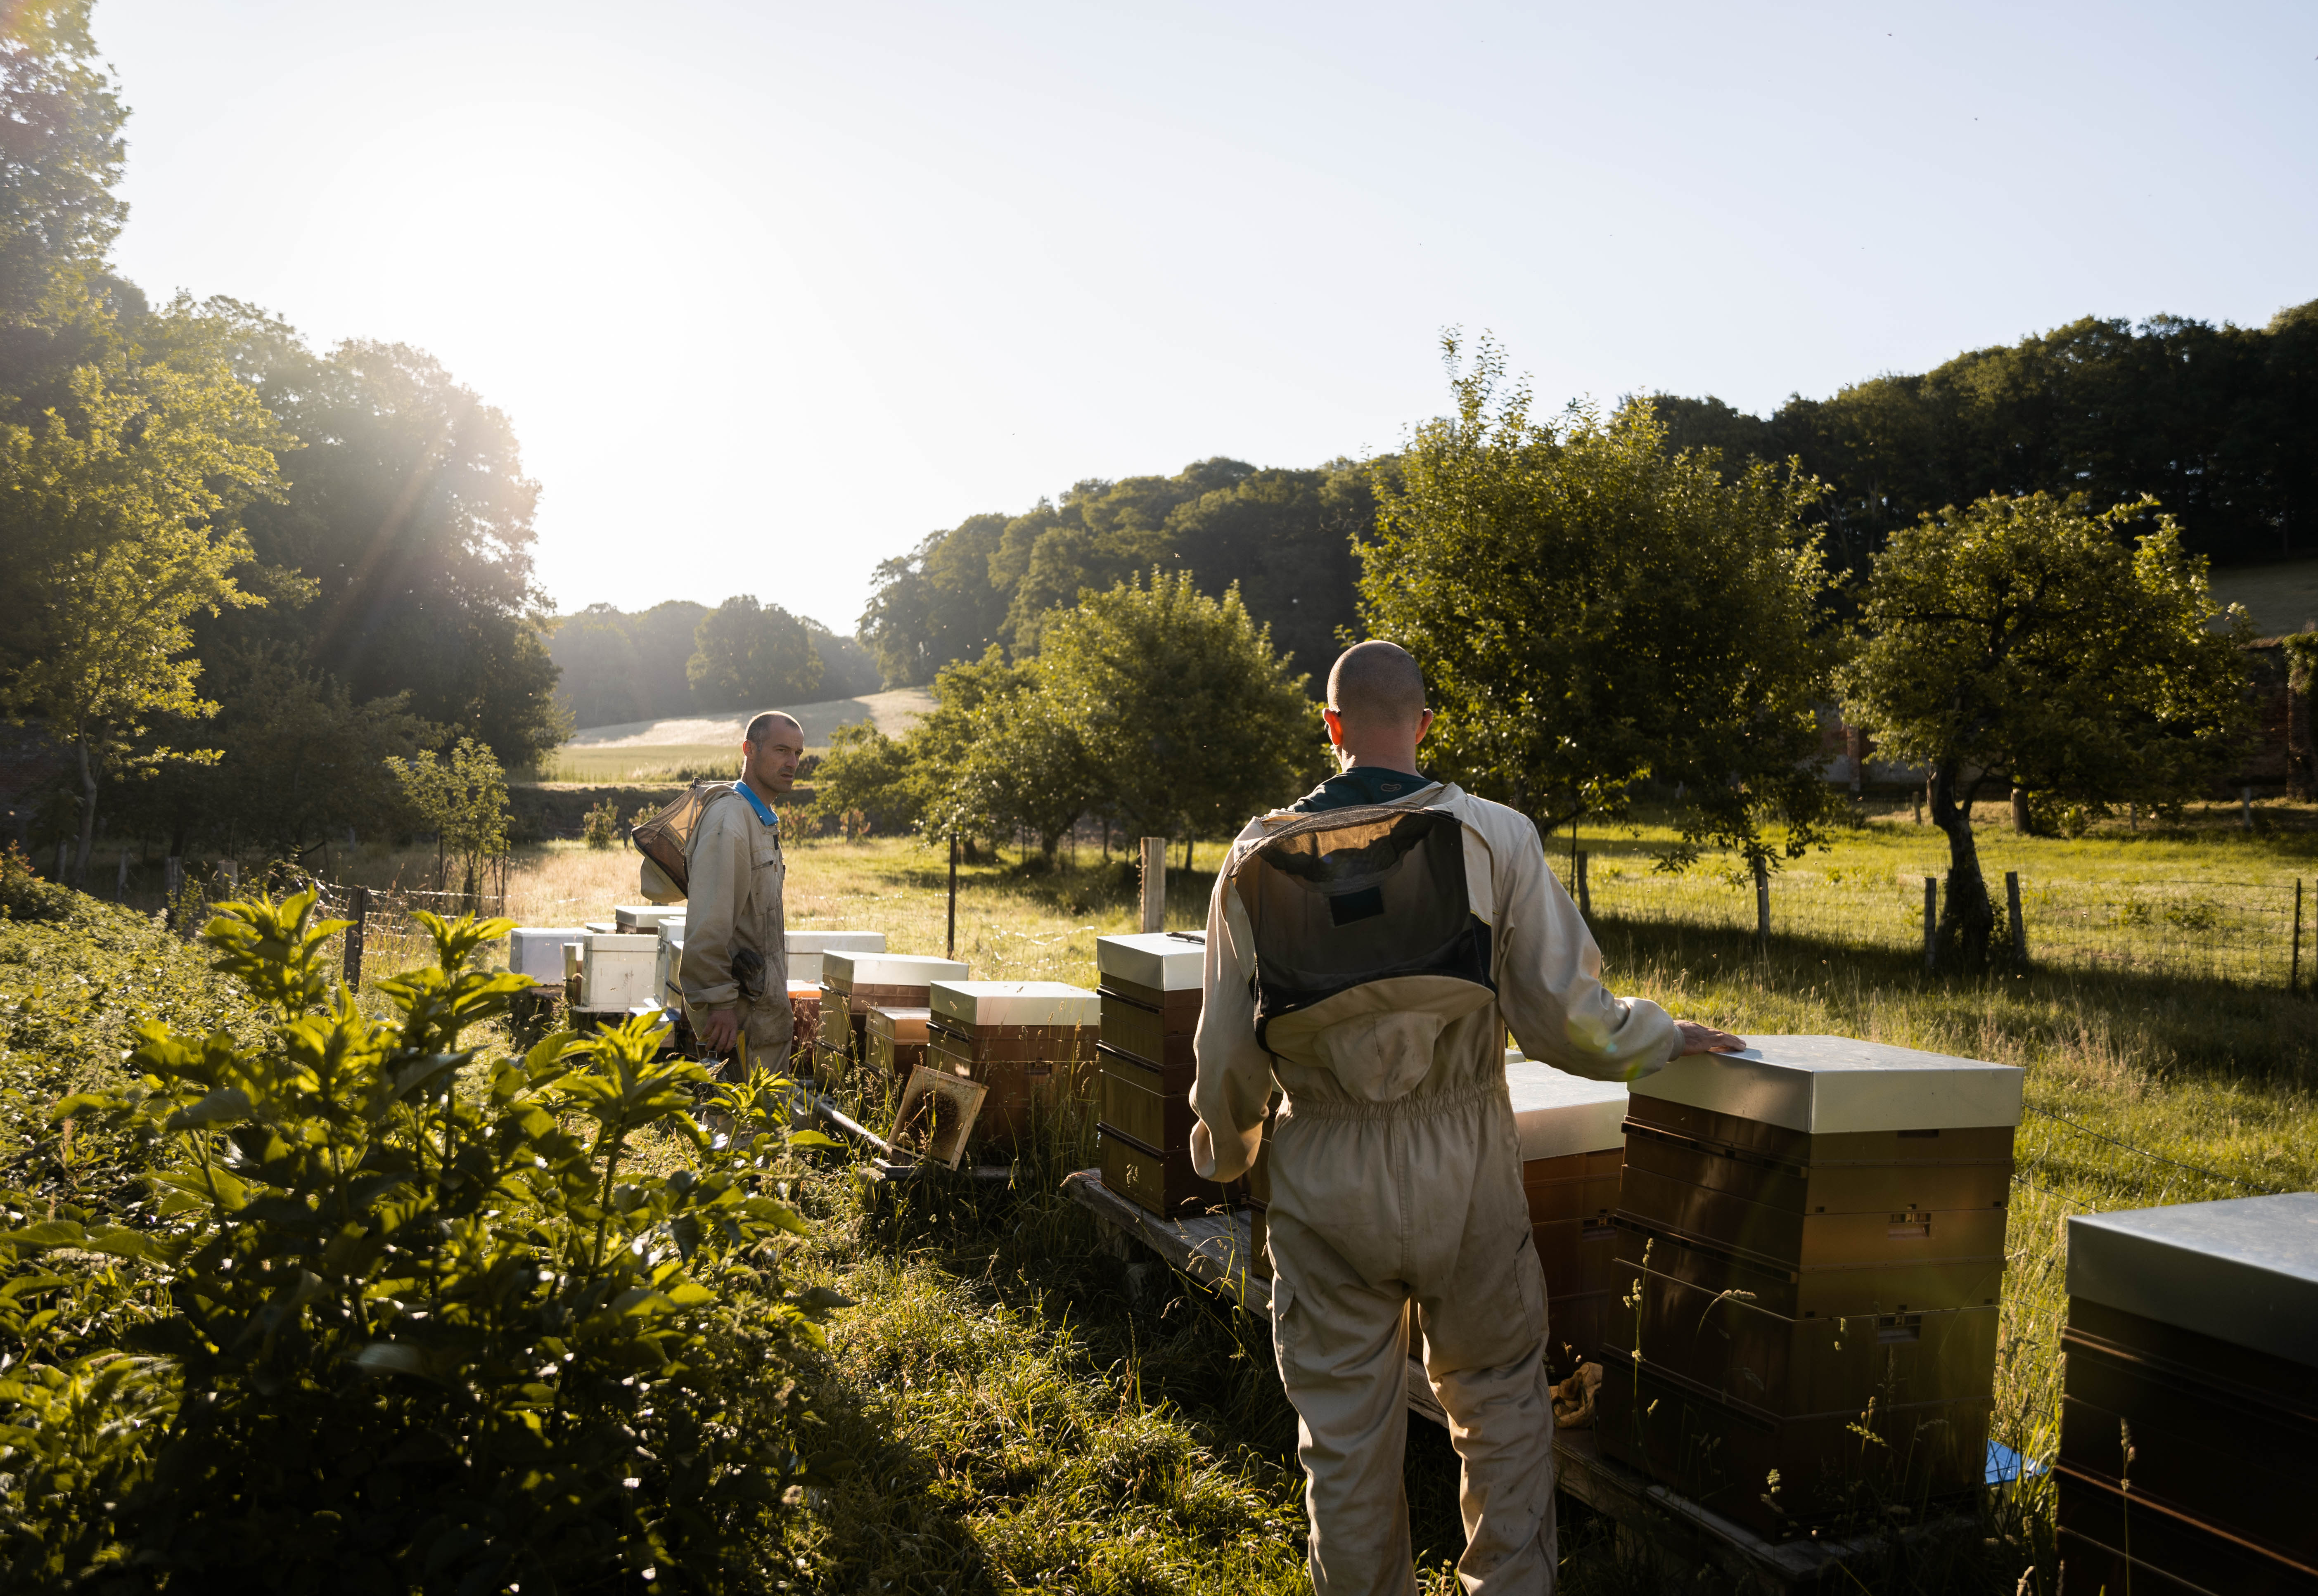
(1377, 685)
(762, 726)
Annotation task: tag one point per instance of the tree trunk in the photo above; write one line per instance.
(87, 817)
(1967, 920)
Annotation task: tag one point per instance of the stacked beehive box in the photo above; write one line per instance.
(1811, 1242)
(896, 1037)
(853, 983)
(807, 949)
(1150, 989)
(1572, 1141)
(2189, 1399)
(1030, 1043)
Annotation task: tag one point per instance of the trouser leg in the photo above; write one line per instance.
(1501, 1422)
(1344, 1358)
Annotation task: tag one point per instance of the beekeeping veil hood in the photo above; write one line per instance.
(1366, 945)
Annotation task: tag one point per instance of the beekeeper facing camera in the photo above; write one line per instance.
(1368, 949)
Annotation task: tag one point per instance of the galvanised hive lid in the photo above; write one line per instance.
(1014, 1003)
(2242, 1270)
(643, 917)
(1559, 1114)
(847, 970)
(835, 941)
(1824, 1085)
(1164, 960)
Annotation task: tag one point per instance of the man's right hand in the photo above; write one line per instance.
(1699, 1038)
(721, 1031)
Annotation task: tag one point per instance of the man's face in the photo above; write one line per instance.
(771, 764)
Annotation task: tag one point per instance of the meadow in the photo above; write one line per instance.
(1014, 1406)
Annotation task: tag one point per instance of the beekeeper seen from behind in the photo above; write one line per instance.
(1367, 949)
(735, 972)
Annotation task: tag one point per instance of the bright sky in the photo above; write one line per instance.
(773, 290)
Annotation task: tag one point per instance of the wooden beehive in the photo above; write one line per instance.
(1149, 993)
(2192, 1338)
(1807, 1233)
(1571, 1137)
(1030, 1043)
(896, 1038)
(853, 983)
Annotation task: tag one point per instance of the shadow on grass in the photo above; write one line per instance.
(2187, 1026)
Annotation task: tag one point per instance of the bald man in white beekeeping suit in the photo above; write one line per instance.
(1368, 949)
(735, 970)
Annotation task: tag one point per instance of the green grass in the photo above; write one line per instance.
(1009, 1409)
(2208, 899)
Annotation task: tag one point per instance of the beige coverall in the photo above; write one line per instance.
(735, 871)
(1418, 1198)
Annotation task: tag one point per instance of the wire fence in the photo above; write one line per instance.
(2242, 931)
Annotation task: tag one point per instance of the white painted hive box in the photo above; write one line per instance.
(807, 950)
(644, 917)
(1825, 1085)
(846, 971)
(1014, 1003)
(2242, 1270)
(1164, 960)
(1559, 1114)
(537, 951)
(616, 971)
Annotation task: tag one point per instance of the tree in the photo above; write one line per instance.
(867, 770)
(461, 799)
(1594, 613)
(1022, 764)
(61, 154)
(2023, 641)
(1190, 719)
(120, 516)
(297, 759)
(752, 656)
(405, 513)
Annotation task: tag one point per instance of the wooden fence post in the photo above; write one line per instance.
(2293, 971)
(1763, 907)
(358, 911)
(1584, 897)
(1155, 883)
(1931, 922)
(2012, 906)
(121, 881)
(952, 951)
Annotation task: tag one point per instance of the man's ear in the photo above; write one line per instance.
(1424, 723)
(1336, 724)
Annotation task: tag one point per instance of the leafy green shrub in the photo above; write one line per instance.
(392, 1316)
(602, 827)
(24, 895)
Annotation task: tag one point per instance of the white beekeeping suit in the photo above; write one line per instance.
(735, 953)
(1370, 961)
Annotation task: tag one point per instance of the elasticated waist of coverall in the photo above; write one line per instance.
(1416, 1105)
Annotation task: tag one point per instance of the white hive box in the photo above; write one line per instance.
(616, 971)
(806, 949)
(1162, 961)
(668, 960)
(644, 917)
(604, 928)
(1827, 1085)
(2243, 1270)
(537, 951)
(851, 971)
(973, 1003)
(1559, 1114)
